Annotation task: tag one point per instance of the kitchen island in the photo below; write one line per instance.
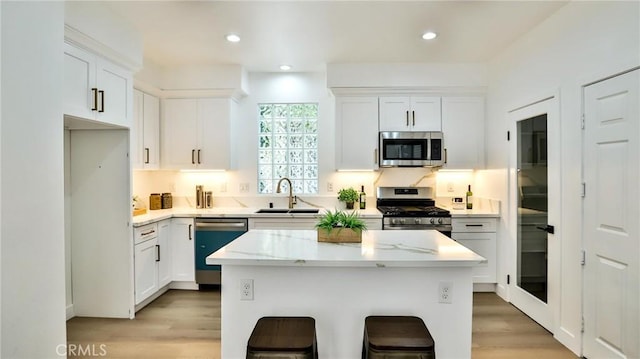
(389, 273)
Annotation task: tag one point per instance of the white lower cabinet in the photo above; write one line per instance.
(164, 253)
(183, 250)
(152, 258)
(479, 235)
(146, 269)
(145, 261)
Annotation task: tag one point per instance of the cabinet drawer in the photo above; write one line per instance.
(473, 225)
(144, 233)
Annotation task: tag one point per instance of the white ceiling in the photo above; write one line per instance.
(310, 34)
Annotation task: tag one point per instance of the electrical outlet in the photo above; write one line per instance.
(244, 187)
(445, 292)
(223, 187)
(246, 289)
(329, 186)
(450, 187)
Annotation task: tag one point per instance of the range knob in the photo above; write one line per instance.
(432, 221)
(402, 221)
(394, 221)
(439, 220)
(418, 221)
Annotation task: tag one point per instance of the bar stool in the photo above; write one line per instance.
(283, 338)
(387, 337)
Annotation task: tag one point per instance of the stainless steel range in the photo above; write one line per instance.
(411, 208)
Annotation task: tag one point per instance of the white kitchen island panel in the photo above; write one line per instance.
(389, 273)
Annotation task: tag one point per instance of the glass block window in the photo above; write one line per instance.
(288, 147)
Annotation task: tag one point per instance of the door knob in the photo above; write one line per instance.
(548, 229)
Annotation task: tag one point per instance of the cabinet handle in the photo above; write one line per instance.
(445, 155)
(413, 113)
(157, 253)
(193, 154)
(474, 225)
(199, 157)
(190, 226)
(148, 233)
(95, 99)
(407, 118)
(375, 156)
(101, 101)
(548, 229)
(146, 149)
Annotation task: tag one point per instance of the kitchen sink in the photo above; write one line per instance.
(285, 210)
(272, 210)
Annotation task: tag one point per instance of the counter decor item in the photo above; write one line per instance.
(199, 196)
(138, 206)
(349, 196)
(167, 200)
(208, 199)
(155, 201)
(340, 227)
(457, 203)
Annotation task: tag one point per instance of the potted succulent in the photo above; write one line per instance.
(349, 196)
(340, 227)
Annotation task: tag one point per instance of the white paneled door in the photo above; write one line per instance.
(611, 218)
(535, 210)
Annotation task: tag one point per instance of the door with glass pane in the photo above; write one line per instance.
(535, 204)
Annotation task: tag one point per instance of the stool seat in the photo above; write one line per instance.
(283, 337)
(397, 336)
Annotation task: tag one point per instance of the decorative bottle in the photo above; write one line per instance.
(363, 198)
(469, 198)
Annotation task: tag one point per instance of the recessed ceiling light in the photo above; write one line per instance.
(233, 38)
(285, 67)
(429, 35)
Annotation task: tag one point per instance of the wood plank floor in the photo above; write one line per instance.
(186, 325)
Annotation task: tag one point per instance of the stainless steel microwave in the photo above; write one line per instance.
(411, 149)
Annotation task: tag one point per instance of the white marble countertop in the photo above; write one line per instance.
(243, 212)
(422, 248)
(482, 207)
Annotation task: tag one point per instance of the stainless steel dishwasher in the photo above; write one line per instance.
(211, 235)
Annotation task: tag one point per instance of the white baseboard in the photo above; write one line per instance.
(70, 312)
(484, 287)
(184, 285)
(153, 297)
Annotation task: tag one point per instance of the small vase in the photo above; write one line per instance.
(349, 205)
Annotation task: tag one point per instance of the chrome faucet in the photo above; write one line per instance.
(291, 198)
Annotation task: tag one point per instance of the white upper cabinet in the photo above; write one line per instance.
(145, 134)
(416, 113)
(356, 133)
(96, 89)
(196, 133)
(463, 129)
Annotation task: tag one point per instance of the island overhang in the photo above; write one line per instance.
(420, 248)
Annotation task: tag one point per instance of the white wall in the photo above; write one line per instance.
(581, 43)
(32, 228)
(406, 75)
(99, 23)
